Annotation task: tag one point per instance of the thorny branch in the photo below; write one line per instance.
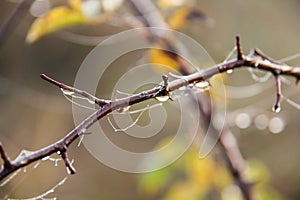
(230, 151)
(60, 147)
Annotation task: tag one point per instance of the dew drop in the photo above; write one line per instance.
(45, 158)
(162, 98)
(204, 85)
(111, 5)
(58, 152)
(40, 7)
(276, 109)
(229, 71)
(91, 8)
(50, 191)
(68, 171)
(83, 130)
(276, 125)
(231, 192)
(122, 110)
(261, 122)
(243, 120)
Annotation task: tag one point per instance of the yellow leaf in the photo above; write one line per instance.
(218, 90)
(55, 19)
(178, 19)
(184, 191)
(162, 60)
(202, 172)
(166, 4)
(75, 4)
(181, 16)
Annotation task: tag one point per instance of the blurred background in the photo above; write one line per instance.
(35, 114)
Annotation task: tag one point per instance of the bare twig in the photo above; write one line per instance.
(240, 55)
(65, 157)
(62, 144)
(62, 86)
(263, 56)
(5, 158)
(231, 156)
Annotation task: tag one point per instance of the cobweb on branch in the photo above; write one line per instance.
(140, 111)
(24, 170)
(43, 195)
(70, 95)
(7, 180)
(291, 102)
(260, 79)
(290, 58)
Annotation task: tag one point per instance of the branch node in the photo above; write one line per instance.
(240, 54)
(65, 157)
(6, 160)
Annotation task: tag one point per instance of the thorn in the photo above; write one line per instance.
(240, 55)
(5, 158)
(68, 164)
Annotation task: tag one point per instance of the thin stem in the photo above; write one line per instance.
(276, 107)
(63, 86)
(62, 144)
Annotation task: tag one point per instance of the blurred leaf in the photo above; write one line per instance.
(257, 172)
(184, 190)
(201, 171)
(161, 57)
(151, 184)
(56, 19)
(221, 178)
(78, 12)
(183, 15)
(166, 4)
(232, 192)
(217, 91)
(111, 5)
(267, 193)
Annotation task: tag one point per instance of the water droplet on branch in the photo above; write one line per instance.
(276, 125)
(229, 71)
(276, 109)
(261, 122)
(243, 120)
(203, 85)
(162, 98)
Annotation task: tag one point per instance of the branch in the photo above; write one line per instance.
(231, 152)
(63, 87)
(111, 105)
